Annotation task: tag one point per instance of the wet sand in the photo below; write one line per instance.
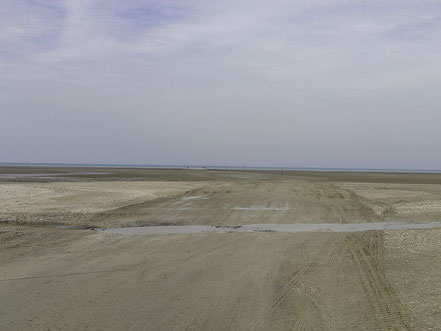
(53, 277)
(290, 228)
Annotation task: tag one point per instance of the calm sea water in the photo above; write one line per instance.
(212, 167)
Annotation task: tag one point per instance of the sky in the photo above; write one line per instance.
(307, 83)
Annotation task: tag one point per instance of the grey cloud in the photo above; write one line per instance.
(310, 83)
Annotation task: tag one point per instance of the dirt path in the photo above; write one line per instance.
(257, 281)
(384, 307)
(220, 200)
(255, 202)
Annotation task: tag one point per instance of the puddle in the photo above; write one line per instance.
(325, 227)
(170, 229)
(12, 176)
(191, 197)
(260, 208)
(72, 227)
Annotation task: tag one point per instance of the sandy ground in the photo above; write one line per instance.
(219, 198)
(52, 278)
(85, 196)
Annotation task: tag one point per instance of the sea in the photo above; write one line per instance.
(212, 167)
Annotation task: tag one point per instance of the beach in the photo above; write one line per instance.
(62, 266)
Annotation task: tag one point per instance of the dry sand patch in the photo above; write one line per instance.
(412, 263)
(402, 202)
(85, 196)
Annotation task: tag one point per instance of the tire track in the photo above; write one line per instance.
(297, 276)
(328, 251)
(384, 307)
(306, 319)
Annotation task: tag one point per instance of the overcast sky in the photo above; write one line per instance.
(307, 83)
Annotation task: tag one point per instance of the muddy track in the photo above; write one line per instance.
(311, 316)
(384, 310)
(249, 203)
(384, 307)
(327, 252)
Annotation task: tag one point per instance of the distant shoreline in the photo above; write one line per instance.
(213, 167)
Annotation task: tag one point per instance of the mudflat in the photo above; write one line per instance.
(57, 271)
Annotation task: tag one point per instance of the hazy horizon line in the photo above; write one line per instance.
(213, 167)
